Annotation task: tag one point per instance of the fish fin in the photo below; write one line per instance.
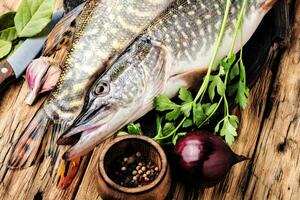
(38, 139)
(62, 36)
(163, 65)
(32, 144)
(56, 130)
(267, 5)
(62, 172)
(188, 79)
(67, 171)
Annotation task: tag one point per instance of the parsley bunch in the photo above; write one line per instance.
(195, 111)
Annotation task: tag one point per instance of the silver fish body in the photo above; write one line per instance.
(104, 30)
(169, 54)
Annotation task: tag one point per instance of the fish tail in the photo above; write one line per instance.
(38, 140)
(31, 146)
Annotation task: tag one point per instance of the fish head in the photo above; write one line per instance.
(116, 89)
(116, 98)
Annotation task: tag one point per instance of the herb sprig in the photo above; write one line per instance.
(132, 129)
(197, 112)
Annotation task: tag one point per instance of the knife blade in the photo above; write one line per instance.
(13, 67)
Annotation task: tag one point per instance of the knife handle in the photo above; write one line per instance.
(6, 74)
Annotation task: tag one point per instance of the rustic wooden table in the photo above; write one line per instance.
(269, 135)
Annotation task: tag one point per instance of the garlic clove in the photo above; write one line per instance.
(51, 78)
(41, 76)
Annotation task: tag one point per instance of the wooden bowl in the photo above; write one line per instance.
(127, 145)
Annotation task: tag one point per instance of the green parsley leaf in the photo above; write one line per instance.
(158, 122)
(221, 87)
(221, 71)
(177, 137)
(173, 115)
(216, 83)
(242, 70)
(234, 72)
(121, 133)
(209, 108)
(134, 129)
(168, 128)
(186, 109)
(234, 120)
(231, 60)
(187, 123)
(198, 114)
(163, 103)
(227, 62)
(185, 95)
(242, 95)
(229, 128)
(211, 90)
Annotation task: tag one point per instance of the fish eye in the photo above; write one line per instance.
(101, 89)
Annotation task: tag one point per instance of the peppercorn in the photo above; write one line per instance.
(123, 168)
(138, 154)
(134, 170)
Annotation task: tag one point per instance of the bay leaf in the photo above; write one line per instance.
(7, 20)
(8, 34)
(32, 16)
(5, 48)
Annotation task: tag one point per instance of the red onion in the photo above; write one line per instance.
(203, 158)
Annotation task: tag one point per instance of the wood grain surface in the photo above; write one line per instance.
(269, 135)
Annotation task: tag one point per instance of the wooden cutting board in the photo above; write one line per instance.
(269, 135)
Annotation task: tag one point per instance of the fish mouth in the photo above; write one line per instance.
(88, 121)
(89, 134)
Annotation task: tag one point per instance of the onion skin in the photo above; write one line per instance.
(203, 159)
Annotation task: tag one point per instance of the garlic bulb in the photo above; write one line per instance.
(41, 76)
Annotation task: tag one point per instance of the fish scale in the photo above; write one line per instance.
(174, 51)
(104, 29)
(119, 22)
(188, 30)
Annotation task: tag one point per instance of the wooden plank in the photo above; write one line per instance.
(276, 167)
(33, 182)
(263, 137)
